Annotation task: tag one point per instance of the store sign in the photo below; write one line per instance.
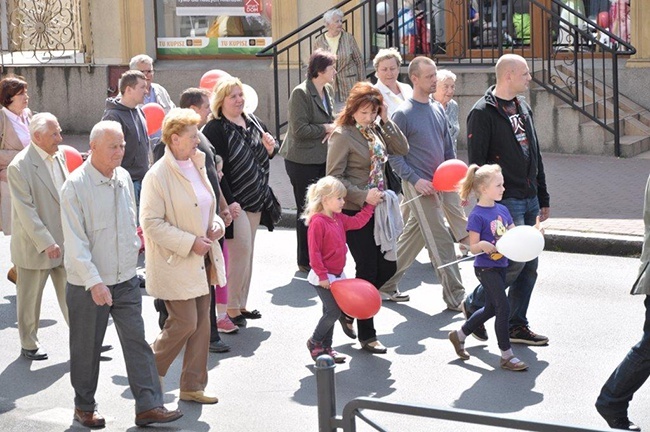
(218, 7)
(212, 46)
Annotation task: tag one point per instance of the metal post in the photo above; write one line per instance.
(326, 390)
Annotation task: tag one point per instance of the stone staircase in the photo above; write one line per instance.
(567, 130)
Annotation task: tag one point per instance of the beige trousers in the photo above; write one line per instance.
(188, 325)
(29, 294)
(425, 226)
(240, 258)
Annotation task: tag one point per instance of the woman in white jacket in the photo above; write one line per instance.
(181, 229)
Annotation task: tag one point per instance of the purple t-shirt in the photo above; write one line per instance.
(491, 223)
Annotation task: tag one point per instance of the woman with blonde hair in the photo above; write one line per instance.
(387, 64)
(246, 146)
(358, 151)
(182, 254)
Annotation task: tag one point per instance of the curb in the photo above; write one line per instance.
(556, 240)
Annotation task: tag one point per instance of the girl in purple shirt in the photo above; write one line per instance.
(487, 222)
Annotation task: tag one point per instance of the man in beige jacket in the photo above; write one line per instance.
(35, 178)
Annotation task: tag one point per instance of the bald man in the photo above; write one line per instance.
(500, 130)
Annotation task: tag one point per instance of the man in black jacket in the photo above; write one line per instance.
(500, 130)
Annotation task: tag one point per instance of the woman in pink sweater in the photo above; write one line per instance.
(327, 250)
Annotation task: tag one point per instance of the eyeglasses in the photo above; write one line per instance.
(150, 71)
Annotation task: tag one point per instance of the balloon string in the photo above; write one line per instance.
(412, 199)
(459, 260)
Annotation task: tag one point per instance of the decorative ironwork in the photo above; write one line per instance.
(44, 31)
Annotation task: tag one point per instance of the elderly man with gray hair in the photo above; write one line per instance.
(35, 178)
(98, 217)
(155, 92)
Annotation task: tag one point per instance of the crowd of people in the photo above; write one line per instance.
(360, 158)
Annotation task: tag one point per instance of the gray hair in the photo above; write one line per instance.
(39, 122)
(140, 58)
(387, 54)
(327, 16)
(104, 126)
(444, 74)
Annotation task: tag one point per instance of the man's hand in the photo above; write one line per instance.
(53, 251)
(544, 213)
(201, 245)
(101, 295)
(424, 187)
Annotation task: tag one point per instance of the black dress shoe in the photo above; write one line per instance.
(37, 354)
(160, 307)
(623, 423)
(347, 324)
(106, 348)
(378, 348)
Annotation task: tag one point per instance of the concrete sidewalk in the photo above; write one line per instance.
(596, 201)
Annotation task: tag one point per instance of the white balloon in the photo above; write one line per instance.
(522, 243)
(383, 8)
(250, 96)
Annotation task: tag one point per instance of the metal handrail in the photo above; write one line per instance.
(328, 421)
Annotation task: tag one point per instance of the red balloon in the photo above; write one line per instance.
(358, 298)
(154, 114)
(73, 159)
(211, 78)
(448, 174)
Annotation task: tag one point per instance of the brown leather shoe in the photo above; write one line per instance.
(89, 419)
(157, 415)
(12, 275)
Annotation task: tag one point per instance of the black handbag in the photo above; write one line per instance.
(391, 179)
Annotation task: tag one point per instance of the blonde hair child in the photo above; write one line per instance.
(487, 222)
(327, 250)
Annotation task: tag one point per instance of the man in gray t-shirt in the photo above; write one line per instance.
(423, 122)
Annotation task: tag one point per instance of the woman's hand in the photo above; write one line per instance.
(329, 128)
(201, 245)
(383, 112)
(215, 232)
(269, 142)
(374, 196)
(226, 216)
(235, 210)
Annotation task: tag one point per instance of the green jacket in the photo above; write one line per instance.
(304, 140)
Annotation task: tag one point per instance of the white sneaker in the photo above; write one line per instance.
(395, 296)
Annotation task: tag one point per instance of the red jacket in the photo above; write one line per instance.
(326, 240)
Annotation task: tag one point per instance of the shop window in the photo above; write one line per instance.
(212, 27)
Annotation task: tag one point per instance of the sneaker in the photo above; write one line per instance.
(523, 335)
(623, 423)
(225, 325)
(395, 296)
(315, 349)
(480, 333)
(338, 358)
(513, 364)
(219, 347)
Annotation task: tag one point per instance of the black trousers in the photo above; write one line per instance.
(370, 265)
(301, 176)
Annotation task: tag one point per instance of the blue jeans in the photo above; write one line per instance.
(629, 376)
(520, 277)
(493, 281)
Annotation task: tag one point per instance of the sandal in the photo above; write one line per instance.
(254, 314)
(347, 325)
(513, 363)
(459, 346)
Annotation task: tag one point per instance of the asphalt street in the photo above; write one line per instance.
(267, 382)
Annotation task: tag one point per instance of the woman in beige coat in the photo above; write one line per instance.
(181, 229)
(14, 136)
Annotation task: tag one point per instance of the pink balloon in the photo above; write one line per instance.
(211, 78)
(358, 298)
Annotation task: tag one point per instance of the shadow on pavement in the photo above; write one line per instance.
(297, 293)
